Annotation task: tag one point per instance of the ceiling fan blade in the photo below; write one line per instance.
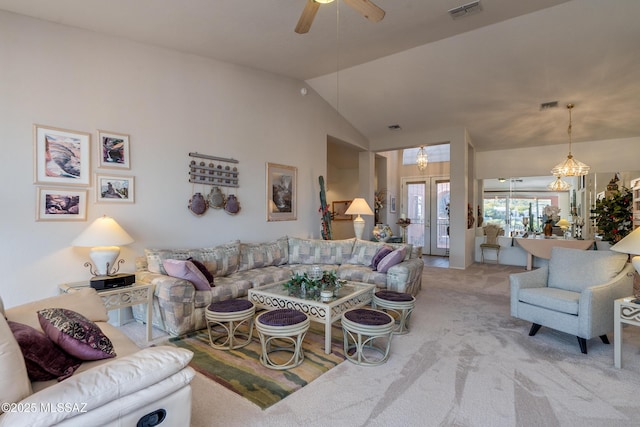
(306, 19)
(367, 9)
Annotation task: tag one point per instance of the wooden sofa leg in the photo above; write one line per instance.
(604, 339)
(534, 329)
(583, 345)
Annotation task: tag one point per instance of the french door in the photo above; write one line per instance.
(425, 201)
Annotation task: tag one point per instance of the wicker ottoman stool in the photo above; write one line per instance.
(224, 322)
(282, 331)
(398, 305)
(367, 336)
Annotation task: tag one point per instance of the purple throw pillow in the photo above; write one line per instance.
(203, 269)
(75, 334)
(390, 260)
(382, 252)
(188, 271)
(45, 361)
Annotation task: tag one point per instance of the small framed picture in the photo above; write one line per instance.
(339, 208)
(392, 204)
(114, 150)
(61, 156)
(114, 189)
(61, 204)
(281, 192)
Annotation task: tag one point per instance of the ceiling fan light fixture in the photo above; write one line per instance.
(570, 166)
(324, 1)
(422, 159)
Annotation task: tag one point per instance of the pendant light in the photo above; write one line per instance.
(571, 166)
(559, 185)
(422, 159)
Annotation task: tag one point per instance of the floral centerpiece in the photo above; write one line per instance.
(304, 286)
(613, 215)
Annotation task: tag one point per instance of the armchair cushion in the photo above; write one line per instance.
(552, 298)
(575, 270)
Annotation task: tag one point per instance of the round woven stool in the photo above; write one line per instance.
(282, 330)
(225, 321)
(399, 305)
(367, 336)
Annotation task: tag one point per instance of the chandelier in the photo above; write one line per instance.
(559, 185)
(571, 166)
(422, 159)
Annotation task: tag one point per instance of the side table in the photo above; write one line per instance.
(625, 311)
(125, 296)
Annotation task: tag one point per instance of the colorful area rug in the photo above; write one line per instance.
(241, 371)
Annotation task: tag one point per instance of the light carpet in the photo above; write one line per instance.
(466, 362)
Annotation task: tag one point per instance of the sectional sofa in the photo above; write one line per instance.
(236, 267)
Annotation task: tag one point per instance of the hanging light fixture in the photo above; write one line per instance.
(571, 166)
(422, 159)
(559, 185)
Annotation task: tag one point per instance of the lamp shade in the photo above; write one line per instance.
(630, 244)
(359, 206)
(104, 231)
(563, 223)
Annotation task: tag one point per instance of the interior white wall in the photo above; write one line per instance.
(170, 104)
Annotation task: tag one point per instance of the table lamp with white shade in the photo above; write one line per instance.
(358, 207)
(104, 236)
(564, 225)
(630, 244)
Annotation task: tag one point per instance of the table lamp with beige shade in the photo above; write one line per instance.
(630, 244)
(564, 225)
(358, 206)
(104, 236)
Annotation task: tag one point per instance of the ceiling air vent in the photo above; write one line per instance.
(394, 127)
(548, 105)
(465, 9)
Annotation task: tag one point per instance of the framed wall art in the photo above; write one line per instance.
(61, 156)
(61, 204)
(281, 192)
(114, 189)
(114, 150)
(339, 208)
(392, 204)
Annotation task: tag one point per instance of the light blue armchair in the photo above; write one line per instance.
(574, 293)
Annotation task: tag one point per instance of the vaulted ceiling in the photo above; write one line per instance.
(418, 67)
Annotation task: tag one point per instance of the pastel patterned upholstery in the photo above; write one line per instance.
(574, 293)
(178, 308)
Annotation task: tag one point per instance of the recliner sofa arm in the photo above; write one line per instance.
(92, 389)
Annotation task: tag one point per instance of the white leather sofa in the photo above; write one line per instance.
(151, 384)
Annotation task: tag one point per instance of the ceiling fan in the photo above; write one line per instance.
(364, 7)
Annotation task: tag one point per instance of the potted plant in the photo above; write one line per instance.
(613, 215)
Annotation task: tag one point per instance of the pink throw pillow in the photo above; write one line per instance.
(382, 252)
(390, 260)
(188, 271)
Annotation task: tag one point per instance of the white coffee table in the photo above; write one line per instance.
(351, 295)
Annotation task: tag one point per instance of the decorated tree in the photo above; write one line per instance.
(613, 215)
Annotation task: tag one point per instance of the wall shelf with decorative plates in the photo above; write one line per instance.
(218, 171)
